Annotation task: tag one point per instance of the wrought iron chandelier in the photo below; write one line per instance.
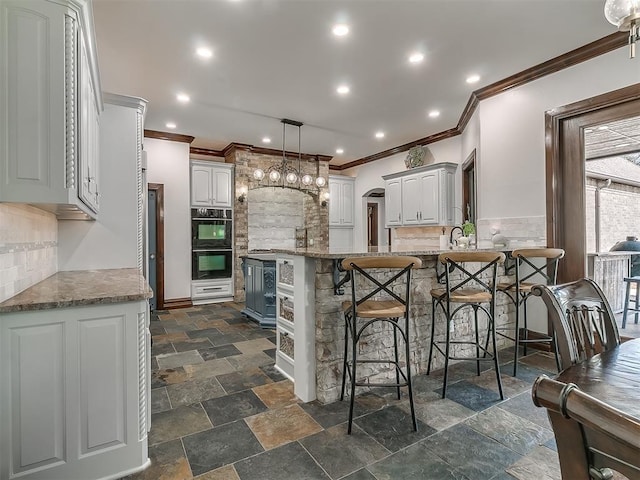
(625, 14)
(285, 174)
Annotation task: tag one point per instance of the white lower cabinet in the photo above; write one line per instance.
(295, 323)
(74, 392)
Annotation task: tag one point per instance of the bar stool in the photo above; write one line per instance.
(470, 280)
(635, 281)
(380, 292)
(534, 266)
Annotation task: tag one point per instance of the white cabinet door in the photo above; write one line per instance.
(341, 201)
(211, 185)
(429, 198)
(347, 202)
(393, 202)
(221, 190)
(411, 200)
(201, 185)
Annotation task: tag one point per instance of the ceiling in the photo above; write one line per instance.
(275, 59)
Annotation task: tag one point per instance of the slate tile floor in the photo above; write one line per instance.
(220, 411)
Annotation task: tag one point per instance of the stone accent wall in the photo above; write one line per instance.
(378, 342)
(28, 247)
(619, 214)
(268, 217)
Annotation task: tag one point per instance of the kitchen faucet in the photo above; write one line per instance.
(451, 234)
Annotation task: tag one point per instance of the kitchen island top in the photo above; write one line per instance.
(81, 287)
(336, 254)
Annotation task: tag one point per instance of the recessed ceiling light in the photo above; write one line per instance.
(603, 127)
(623, 145)
(266, 140)
(343, 89)
(204, 52)
(473, 78)
(416, 57)
(339, 151)
(379, 134)
(170, 125)
(183, 97)
(340, 30)
(434, 113)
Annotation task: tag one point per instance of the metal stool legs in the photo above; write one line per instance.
(627, 299)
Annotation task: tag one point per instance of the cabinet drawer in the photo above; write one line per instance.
(285, 343)
(285, 308)
(285, 273)
(212, 289)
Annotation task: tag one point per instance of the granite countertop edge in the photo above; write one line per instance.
(316, 253)
(81, 288)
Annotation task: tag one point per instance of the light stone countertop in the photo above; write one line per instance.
(81, 287)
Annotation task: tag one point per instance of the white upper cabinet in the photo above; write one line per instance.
(422, 196)
(211, 184)
(51, 100)
(393, 202)
(341, 201)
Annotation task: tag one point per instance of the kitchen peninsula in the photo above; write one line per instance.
(75, 366)
(310, 326)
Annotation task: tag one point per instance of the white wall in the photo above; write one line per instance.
(512, 133)
(168, 164)
(111, 240)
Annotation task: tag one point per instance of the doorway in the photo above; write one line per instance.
(372, 226)
(155, 222)
(565, 171)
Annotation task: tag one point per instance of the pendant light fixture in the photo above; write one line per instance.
(285, 174)
(625, 14)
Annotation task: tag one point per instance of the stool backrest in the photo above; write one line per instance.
(398, 269)
(483, 278)
(592, 436)
(526, 257)
(582, 319)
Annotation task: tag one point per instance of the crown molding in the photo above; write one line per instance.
(582, 54)
(174, 137)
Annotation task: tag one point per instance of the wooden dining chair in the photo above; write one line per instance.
(594, 439)
(582, 319)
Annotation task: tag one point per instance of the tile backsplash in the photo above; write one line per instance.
(28, 247)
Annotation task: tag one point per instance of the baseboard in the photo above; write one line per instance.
(177, 303)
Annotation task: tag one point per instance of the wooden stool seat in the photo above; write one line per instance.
(377, 308)
(464, 295)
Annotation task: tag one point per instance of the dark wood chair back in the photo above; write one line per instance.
(593, 438)
(582, 319)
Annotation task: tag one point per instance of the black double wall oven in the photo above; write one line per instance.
(211, 243)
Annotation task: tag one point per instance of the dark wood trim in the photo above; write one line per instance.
(579, 55)
(174, 137)
(565, 171)
(402, 148)
(177, 303)
(469, 164)
(569, 59)
(159, 189)
(205, 151)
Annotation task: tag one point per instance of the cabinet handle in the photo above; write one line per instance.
(212, 288)
(284, 334)
(398, 217)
